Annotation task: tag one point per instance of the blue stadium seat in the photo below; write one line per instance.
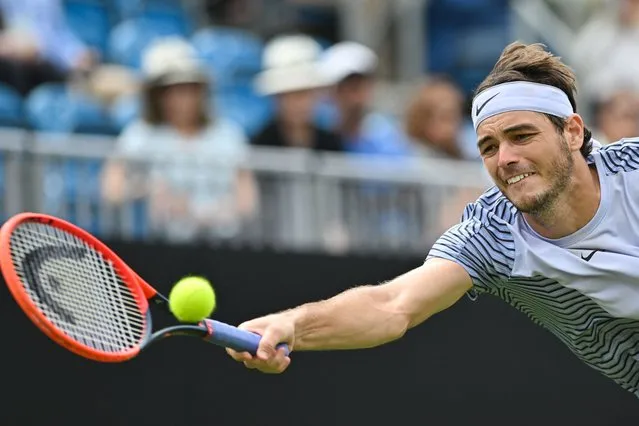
(232, 55)
(168, 14)
(169, 11)
(127, 9)
(90, 21)
(466, 37)
(53, 107)
(49, 108)
(11, 107)
(90, 116)
(124, 110)
(244, 107)
(129, 38)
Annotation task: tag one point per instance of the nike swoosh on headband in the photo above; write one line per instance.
(480, 107)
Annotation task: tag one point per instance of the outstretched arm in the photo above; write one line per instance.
(369, 316)
(361, 317)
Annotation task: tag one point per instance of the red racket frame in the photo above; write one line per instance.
(141, 290)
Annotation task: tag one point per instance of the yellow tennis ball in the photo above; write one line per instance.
(192, 299)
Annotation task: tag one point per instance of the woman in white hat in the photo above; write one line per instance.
(197, 184)
(292, 76)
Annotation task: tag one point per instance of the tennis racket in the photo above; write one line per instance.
(85, 298)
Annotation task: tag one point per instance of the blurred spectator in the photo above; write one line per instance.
(37, 46)
(109, 82)
(350, 67)
(435, 120)
(196, 185)
(291, 75)
(617, 117)
(606, 52)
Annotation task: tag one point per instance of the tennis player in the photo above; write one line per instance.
(557, 236)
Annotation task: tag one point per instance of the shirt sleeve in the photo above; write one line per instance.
(56, 38)
(485, 249)
(132, 139)
(237, 143)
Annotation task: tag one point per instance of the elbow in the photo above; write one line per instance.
(395, 329)
(406, 314)
(398, 319)
(403, 325)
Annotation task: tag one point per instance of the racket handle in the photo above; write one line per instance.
(228, 336)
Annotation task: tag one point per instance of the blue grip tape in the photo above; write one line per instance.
(228, 336)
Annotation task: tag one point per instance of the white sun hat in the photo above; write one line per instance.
(172, 60)
(290, 64)
(347, 58)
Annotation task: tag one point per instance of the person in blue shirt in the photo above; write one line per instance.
(350, 68)
(37, 46)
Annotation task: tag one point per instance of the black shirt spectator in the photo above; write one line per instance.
(322, 140)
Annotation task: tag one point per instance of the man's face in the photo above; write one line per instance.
(355, 93)
(529, 161)
(182, 103)
(297, 107)
(619, 117)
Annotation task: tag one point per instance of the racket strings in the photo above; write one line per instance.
(76, 288)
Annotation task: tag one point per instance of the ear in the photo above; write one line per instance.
(574, 132)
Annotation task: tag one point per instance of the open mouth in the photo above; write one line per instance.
(518, 178)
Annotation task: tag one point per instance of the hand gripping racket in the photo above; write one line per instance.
(85, 298)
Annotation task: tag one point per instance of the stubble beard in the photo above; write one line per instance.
(543, 204)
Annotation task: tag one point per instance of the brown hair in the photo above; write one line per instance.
(532, 63)
(425, 101)
(152, 111)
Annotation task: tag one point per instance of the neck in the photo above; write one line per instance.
(572, 210)
(450, 148)
(187, 129)
(351, 120)
(297, 133)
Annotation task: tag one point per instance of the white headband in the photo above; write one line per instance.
(520, 96)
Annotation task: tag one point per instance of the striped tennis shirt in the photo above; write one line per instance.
(583, 288)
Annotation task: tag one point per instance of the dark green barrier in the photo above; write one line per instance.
(478, 363)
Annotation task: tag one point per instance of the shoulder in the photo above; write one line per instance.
(227, 129)
(376, 121)
(137, 127)
(492, 208)
(136, 135)
(269, 135)
(328, 140)
(618, 157)
(226, 141)
(482, 242)
(486, 222)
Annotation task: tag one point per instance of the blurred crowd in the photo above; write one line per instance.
(187, 106)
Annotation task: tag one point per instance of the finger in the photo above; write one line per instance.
(278, 362)
(266, 349)
(283, 351)
(249, 365)
(239, 356)
(279, 365)
(251, 325)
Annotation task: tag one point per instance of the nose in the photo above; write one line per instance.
(507, 155)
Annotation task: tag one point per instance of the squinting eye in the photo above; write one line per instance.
(521, 137)
(488, 150)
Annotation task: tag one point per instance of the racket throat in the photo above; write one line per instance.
(178, 330)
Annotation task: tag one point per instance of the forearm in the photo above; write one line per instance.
(369, 316)
(361, 317)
